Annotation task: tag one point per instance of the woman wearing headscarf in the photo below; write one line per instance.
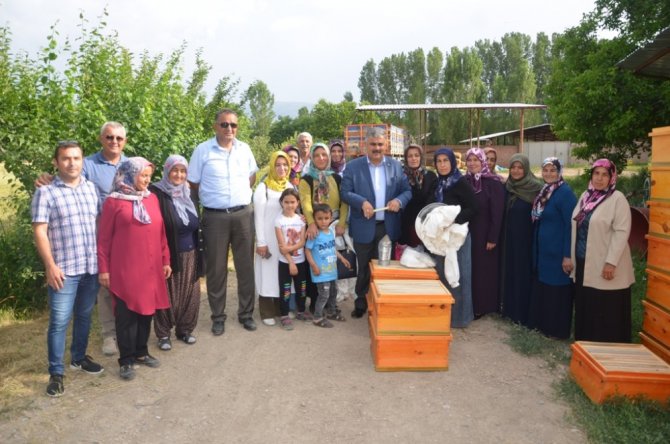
(553, 291)
(422, 182)
(338, 161)
(266, 209)
(181, 228)
(491, 159)
(522, 187)
(604, 269)
(319, 184)
(134, 261)
(451, 188)
(295, 164)
(485, 229)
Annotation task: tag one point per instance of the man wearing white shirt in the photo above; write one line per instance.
(222, 171)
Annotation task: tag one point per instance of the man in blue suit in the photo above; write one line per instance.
(372, 182)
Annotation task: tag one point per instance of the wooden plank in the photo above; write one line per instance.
(657, 253)
(658, 288)
(656, 323)
(660, 182)
(396, 271)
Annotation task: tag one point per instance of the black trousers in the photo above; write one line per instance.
(132, 332)
(365, 253)
(299, 283)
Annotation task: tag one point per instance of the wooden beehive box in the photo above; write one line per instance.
(657, 253)
(409, 353)
(603, 370)
(409, 307)
(396, 271)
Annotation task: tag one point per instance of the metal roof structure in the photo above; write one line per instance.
(652, 59)
(444, 106)
(536, 133)
(423, 109)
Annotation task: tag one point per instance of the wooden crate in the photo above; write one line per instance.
(660, 144)
(657, 253)
(606, 369)
(656, 323)
(409, 353)
(396, 271)
(409, 307)
(658, 288)
(659, 218)
(655, 347)
(660, 181)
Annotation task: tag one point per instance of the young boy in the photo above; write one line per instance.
(64, 224)
(322, 257)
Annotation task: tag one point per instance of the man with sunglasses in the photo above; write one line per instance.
(100, 168)
(221, 172)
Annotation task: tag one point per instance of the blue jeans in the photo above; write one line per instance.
(77, 296)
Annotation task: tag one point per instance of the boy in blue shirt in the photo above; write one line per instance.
(322, 257)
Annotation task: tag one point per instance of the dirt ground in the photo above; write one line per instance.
(304, 386)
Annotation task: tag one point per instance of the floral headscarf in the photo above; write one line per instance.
(548, 189)
(528, 186)
(123, 186)
(294, 174)
(475, 179)
(337, 167)
(272, 181)
(320, 176)
(181, 194)
(595, 197)
(448, 181)
(415, 175)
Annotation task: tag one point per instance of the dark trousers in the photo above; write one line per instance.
(132, 332)
(365, 253)
(222, 231)
(299, 283)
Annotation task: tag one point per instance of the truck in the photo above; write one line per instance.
(354, 139)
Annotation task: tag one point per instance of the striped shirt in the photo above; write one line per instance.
(70, 213)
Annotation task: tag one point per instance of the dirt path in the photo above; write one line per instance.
(305, 386)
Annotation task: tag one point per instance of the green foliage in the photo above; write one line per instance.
(260, 101)
(22, 287)
(619, 420)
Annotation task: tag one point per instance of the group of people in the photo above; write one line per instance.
(534, 252)
(106, 233)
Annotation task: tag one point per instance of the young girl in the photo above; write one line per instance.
(322, 257)
(290, 231)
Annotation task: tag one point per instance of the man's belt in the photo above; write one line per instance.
(227, 210)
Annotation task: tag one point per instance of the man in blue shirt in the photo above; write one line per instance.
(222, 171)
(100, 168)
(64, 217)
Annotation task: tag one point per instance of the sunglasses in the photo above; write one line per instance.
(226, 125)
(118, 138)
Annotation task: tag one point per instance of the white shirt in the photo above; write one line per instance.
(378, 174)
(223, 175)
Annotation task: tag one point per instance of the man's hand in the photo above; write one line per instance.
(367, 209)
(55, 277)
(393, 206)
(43, 179)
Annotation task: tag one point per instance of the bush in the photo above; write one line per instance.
(22, 287)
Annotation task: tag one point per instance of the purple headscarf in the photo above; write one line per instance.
(180, 194)
(595, 197)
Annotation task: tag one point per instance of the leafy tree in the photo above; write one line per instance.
(367, 82)
(348, 96)
(260, 101)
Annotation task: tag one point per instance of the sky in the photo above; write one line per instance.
(304, 50)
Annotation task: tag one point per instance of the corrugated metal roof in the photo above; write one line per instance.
(651, 60)
(529, 133)
(439, 106)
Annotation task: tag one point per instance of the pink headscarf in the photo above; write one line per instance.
(595, 197)
(475, 179)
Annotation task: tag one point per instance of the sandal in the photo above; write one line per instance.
(337, 316)
(164, 344)
(304, 316)
(286, 323)
(323, 322)
(187, 338)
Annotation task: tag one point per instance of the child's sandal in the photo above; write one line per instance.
(323, 322)
(337, 316)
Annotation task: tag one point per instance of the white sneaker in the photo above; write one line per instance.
(109, 346)
(269, 322)
(291, 314)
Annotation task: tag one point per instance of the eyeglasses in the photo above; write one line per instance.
(118, 138)
(225, 125)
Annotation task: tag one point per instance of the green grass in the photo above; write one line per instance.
(621, 420)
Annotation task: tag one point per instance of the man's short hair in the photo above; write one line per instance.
(374, 132)
(65, 144)
(112, 124)
(224, 111)
(304, 134)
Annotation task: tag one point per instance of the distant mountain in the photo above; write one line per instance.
(290, 108)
